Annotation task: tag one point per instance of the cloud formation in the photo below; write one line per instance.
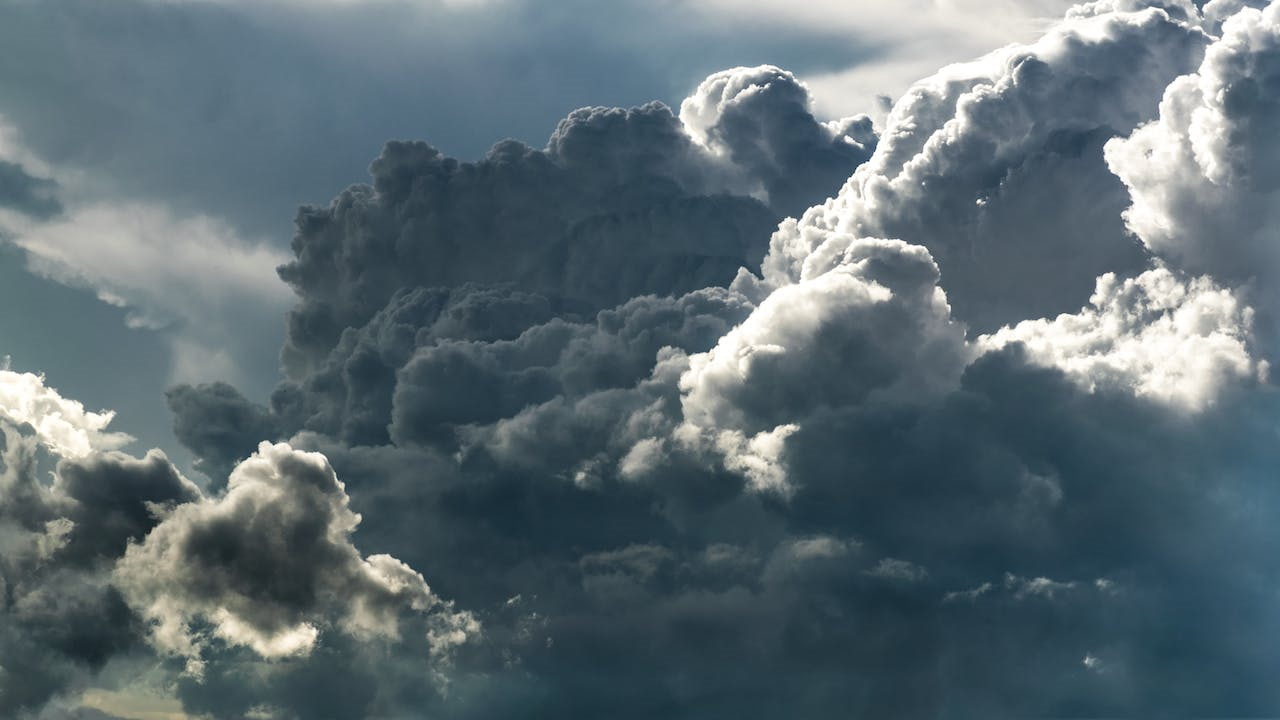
(621, 203)
(1202, 175)
(956, 418)
(268, 563)
(995, 166)
(63, 425)
(116, 552)
(950, 442)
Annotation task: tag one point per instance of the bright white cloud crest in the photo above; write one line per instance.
(62, 425)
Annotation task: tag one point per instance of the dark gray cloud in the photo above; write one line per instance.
(62, 619)
(621, 203)
(819, 491)
(219, 425)
(651, 482)
(269, 565)
(117, 553)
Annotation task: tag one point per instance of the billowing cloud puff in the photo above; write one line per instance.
(875, 328)
(760, 120)
(996, 167)
(1156, 335)
(1203, 176)
(61, 620)
(270, 564)
(61, 424)
(621, 203)
(115, 552)
(221, 426)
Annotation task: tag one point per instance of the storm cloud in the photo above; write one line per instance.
(730, 412)
(116, 553)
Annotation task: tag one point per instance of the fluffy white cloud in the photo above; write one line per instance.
(995, 166)
(1205, 176)
(1159, 335)
(62, 425)
(875, 326)
(758, 122)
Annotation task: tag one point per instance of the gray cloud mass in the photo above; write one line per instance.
(728, 412)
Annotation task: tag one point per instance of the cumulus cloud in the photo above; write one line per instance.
(61, 620)
(1202, 175)
(115, 552)
(269, 564)
(996, 167)
(847, 336)
(1156, 335)
(761, 120)
(60, 423)
(958, 444)
(634, 196)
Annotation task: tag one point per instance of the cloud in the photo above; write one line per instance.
(192, 278)
(761, 119)
(193, 275)
(220, 425)
(269, 564)
(62, 424)
(1202, 174)
(1157, 335)
(115, 552)
(61, 620)
(621, 203)
(847, 336)
(996, 167)
(139, 256)
(906, 465)
(915, 38)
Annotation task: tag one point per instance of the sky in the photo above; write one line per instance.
(679, 358)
